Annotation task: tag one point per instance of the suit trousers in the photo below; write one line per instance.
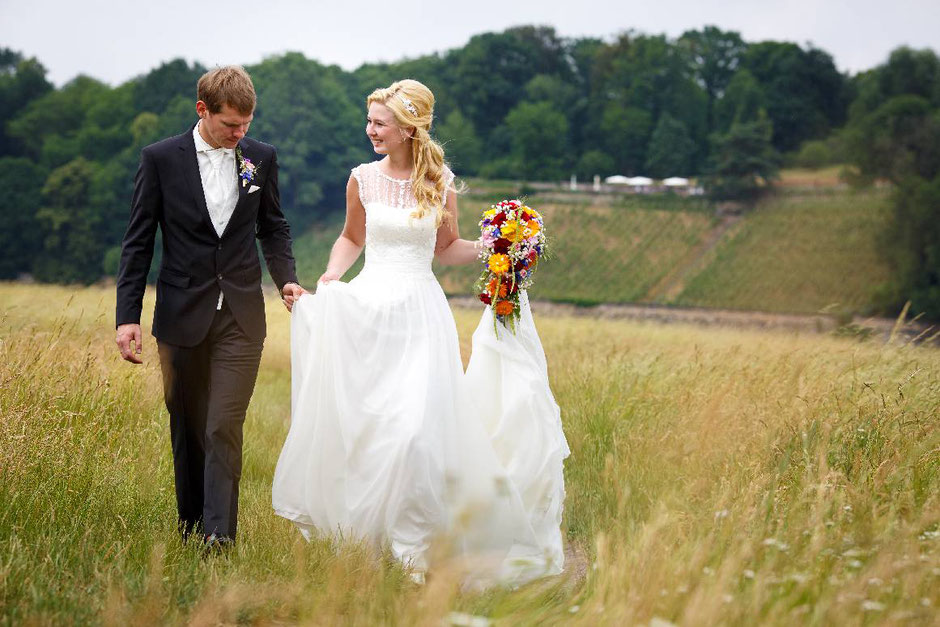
(207, 388)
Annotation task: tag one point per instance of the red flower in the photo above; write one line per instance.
(501, 245)
(498, 219)
(485, 298)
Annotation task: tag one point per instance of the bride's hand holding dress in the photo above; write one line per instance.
(389, 440)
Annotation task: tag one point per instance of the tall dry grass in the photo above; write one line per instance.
(716, 477)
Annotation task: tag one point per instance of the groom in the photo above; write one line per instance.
(211, 191)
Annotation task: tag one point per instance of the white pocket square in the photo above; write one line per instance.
(253, 189)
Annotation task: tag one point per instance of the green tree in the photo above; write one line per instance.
(671, 149)
(594, 162)
(48, 127)
(744, 162)
(806, 96)
(743, 101)
(20, 234)
(909, 71)
(641, 77)
(912, 242)
(894, 134)
(305, 111)
(21, 82)
(154, 91)
(813, 154)
(898, 140)
(491, 71)
(71, 251)
(626, 133)
(462, 146)
(538, 134)
(714, 55)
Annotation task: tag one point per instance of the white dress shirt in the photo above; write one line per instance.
(219, 183)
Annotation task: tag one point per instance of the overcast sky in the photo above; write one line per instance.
(117, 40)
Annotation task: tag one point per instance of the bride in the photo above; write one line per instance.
(390, 441)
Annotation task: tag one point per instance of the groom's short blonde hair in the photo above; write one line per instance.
(229, 85)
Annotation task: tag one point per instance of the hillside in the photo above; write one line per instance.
(798, 252)
(803, 250)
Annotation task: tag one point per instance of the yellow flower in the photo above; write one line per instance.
(499, 263)
(489, 213)
(510, 230)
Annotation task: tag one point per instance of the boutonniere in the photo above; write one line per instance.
(246, 169)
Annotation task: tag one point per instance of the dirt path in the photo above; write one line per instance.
(673, 283)
(882, 328)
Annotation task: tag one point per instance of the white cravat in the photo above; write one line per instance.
(219, 183)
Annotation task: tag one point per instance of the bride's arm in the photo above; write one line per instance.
(450, 250)
(350, 242)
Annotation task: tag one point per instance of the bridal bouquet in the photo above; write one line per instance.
(513, 238)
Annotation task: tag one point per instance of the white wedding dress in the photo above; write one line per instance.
(391, 442)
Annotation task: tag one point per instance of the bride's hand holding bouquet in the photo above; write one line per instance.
(512, 240)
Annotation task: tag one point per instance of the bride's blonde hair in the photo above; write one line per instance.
(413, 105)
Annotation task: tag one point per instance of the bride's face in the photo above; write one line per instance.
(383, 131)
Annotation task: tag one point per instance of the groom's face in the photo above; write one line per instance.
(225, 128)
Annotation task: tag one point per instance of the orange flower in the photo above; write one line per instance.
(499, 263)
(491, 288)
(504, 307)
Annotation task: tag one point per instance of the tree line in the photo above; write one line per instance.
(524, 103)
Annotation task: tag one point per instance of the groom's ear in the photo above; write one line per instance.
(202, 109)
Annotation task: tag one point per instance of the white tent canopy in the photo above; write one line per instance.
(638, 181)
(617, 179)
(675, 181)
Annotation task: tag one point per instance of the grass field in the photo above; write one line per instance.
(800, 251)
(599, 253)
(716, 477)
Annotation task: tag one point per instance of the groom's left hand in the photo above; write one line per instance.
(290, 293)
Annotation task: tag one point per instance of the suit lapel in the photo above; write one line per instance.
(190, 167)
(242, 189)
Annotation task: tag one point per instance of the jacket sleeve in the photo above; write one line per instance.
(274, 232)
(137, 246)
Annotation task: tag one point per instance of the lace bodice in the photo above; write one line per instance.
(395, 241)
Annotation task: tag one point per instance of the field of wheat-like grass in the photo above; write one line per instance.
(716, 477)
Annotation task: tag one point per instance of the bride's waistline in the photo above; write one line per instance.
(397, 271)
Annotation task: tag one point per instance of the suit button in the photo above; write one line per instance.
(219, 276)
(220, 246)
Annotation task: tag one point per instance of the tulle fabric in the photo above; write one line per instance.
(391, 442)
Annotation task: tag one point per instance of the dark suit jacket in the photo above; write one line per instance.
(197, 263)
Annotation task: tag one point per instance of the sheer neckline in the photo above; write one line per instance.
(378, 169)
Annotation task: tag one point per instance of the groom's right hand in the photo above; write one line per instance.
(127, 333)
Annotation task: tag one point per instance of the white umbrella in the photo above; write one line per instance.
(639, 180)
(617, 179)
(675, 181)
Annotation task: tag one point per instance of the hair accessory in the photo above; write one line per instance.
(411, 108)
